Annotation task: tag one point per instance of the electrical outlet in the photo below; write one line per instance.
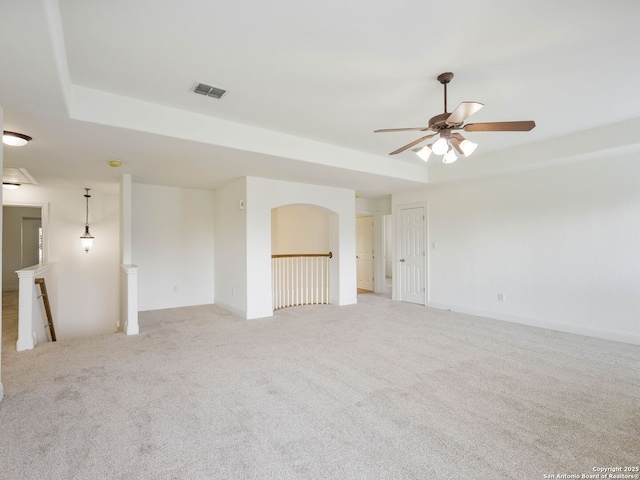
(501, 297)
(233, 291)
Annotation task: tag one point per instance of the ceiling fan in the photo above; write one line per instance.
(445, 124)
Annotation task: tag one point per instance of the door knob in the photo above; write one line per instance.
(402, 260)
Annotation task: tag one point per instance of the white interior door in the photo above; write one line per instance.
(412, 260)
(364, 252)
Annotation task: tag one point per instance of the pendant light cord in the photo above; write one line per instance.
(87, 196)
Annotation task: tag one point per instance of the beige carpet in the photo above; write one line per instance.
(378, 390)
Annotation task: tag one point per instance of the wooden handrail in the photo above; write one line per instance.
(47, 308)
(291, 255)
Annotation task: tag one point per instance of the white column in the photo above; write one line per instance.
(125, 219)
(130, 300)
(27, 298)
(129, 277)
(25, 310)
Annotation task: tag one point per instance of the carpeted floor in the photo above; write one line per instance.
(378, 390)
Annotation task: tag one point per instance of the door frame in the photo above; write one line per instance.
(378, 242)
(397, 290)
(373, 253)
(44, 215)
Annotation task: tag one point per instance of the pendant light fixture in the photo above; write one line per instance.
(87, 239)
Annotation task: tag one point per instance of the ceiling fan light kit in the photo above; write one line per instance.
(446, 123)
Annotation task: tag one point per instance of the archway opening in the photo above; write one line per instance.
(300, 255)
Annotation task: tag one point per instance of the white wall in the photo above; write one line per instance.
(231, 247)
(172, 244)
(371, 206)
(12, 243)
(1, 198)
(262, 196)
(88, 291)
(561, 244)
(299, 229)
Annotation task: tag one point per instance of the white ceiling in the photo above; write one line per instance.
(307, 83)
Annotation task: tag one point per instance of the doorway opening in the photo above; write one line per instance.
(364, 254)
(300, 256)
(23, 242)
(23, 245)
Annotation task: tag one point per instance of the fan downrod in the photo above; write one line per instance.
(443, 78)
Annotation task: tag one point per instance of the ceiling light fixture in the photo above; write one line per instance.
(10, 186)
(15, 139)
(444, 125)
(447, 145)
(87, 239)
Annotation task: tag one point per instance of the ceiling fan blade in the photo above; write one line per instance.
(400, 129)
(462, 112)
(409, 145)
(523, 126)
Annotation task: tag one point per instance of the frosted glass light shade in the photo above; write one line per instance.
(468, 147)
(86, 239)
(450, 156)
(424, 153)
(440, 146)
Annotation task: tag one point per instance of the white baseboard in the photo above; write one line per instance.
(351, 300)
(254, 315)
(541, 323)
(235, 310)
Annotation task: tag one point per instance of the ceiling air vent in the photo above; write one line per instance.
(208, 90)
